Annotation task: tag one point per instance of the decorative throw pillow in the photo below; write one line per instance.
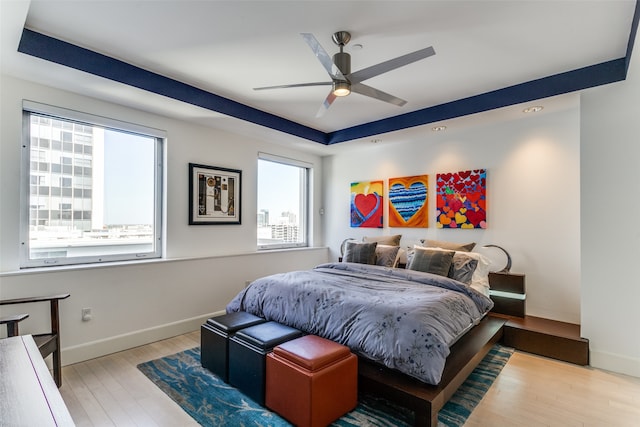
(465, 247)
(363, 253)
(480, 275)
(384, 240)
(387, 256)
(431, 261)
(343, 245)
(462, 268)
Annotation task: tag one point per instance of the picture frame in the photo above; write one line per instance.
(366, 206)
(214, 195)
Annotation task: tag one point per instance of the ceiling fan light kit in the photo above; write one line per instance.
(341, 88)
(343, 81)
(342, 61)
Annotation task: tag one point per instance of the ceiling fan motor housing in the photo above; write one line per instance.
(342, 60)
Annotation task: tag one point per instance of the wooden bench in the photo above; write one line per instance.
(49, 342)
(29, 395)
(546, 337)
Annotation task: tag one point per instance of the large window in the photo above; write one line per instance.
(283, 200)
(91, 189)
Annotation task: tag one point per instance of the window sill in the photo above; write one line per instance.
(115, 264)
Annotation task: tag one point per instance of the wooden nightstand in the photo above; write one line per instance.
(545, 337)
(508, 293)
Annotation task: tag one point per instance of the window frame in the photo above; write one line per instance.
(305, 203)
(59, 113)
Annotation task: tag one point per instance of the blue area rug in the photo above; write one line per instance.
(211, 402)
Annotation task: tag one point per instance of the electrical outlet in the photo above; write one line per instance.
(86, 314)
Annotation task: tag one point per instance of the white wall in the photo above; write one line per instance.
(135, 304)
(610, 153)
(533, 193)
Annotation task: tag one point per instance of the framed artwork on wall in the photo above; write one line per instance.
(461, 199)
(214, 195)
(409, 201)
(366, 204)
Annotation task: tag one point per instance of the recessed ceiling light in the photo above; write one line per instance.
(438, 128)
(534, 109)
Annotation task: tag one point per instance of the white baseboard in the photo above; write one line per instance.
(98, 348)
(615, 363)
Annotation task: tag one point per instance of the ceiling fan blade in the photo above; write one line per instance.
(326, 104)
(293, 85)
(377, 94)
(392, 64)
(322, 55)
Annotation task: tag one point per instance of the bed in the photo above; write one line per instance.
(405, 320)
(403, 325)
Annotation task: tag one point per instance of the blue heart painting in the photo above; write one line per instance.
(408, 198)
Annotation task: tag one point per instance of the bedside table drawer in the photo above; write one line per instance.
(508, 293)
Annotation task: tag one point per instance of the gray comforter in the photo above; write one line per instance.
(403, 319)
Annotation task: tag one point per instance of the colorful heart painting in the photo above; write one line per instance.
(408, 201)
(366, 204)
(461, 199)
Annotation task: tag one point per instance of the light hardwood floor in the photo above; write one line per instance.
(530, 391)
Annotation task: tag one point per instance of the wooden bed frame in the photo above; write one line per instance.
(423, 399)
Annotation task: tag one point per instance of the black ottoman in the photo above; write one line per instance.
(247, 356)
(214, 340)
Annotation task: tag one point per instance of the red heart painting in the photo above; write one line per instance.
(365, 203)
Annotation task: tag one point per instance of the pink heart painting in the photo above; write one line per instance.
(461, 199)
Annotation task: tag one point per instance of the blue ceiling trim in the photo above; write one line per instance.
(60, 52)
(54, 50)
(583, 78)
(632, 35)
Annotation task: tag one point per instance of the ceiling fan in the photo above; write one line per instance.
(343, 81)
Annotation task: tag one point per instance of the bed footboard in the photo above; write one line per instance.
(423, 399)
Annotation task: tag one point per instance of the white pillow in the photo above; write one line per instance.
(480, 278)
(402, 256)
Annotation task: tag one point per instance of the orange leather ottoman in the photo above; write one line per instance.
(311, 381)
